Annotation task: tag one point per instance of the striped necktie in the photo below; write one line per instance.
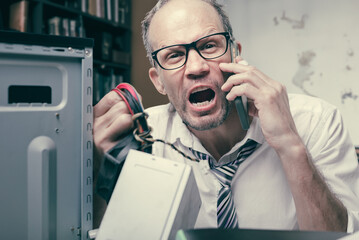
(226, 213)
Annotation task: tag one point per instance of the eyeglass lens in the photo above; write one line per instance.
(209, 47)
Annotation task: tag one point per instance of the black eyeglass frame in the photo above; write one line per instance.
(192, 45)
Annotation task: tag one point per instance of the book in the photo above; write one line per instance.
(92, 7)
(106, 46)
(115, 80)
(123, 11)
(108, 10)
(73, 28)
(65, 27)
(121, 57)
(104, 42)
(115, 14)
(54, 26)
(100, 8)
(118, 43)
(18, 16)
(84, 5)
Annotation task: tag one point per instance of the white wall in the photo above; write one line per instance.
(312, 46)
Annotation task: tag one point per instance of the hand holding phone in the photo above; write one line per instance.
(241, 101)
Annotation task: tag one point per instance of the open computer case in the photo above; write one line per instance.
(45, 136)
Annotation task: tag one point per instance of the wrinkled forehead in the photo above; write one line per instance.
(183, 21)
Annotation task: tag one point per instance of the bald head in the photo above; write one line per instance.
(177, 7)
(182, 21)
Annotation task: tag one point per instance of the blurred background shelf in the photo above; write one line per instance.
(108, 22)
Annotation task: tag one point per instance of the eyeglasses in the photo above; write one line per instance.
(208, 47)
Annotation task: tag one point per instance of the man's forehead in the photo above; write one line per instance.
(180, 18)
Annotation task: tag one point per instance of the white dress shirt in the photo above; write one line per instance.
(260, 189)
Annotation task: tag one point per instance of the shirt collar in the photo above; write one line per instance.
(180, 133)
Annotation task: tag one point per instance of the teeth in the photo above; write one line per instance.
(200, 104)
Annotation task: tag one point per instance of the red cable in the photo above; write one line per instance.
(129, 88)
(124, 99)
(134, 94)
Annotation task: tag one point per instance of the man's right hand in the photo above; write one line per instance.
(112, 120)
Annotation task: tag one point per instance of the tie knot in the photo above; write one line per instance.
(226, 172)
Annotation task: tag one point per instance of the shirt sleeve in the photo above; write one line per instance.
(334, 155)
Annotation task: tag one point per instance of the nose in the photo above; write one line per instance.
(196, 66)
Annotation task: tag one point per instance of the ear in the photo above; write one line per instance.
(239, 47)
(155, 78)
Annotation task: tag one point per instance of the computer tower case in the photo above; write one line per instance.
(45, 136)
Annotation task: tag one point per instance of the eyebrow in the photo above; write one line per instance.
(208, 33)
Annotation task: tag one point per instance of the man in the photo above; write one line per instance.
(300, 172)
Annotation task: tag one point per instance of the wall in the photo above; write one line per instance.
(140, 63)
(311, 46)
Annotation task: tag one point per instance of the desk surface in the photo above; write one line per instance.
(251, 234)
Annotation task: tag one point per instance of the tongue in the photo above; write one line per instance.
(201, 96)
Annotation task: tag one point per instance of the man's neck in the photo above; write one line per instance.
(220, 140)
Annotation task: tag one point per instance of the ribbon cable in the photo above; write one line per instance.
(132, 100)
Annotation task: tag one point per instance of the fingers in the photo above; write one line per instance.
(246, 80)
(117, 112)
(234, 67)
(112, 119)
(252, 83)
(106, 103)
(243, 71)
(248, 83)
(255, 88)
(109, 109)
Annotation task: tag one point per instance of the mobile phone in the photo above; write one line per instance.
(241, 101)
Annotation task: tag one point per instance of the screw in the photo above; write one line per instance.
(87, 53)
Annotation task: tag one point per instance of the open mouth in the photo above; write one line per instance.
(201, 97)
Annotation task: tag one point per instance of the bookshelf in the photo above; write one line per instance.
(106, 21)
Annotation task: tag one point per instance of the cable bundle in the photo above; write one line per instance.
(114, 159)
(133, 102)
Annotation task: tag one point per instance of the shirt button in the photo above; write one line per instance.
(205, 167)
